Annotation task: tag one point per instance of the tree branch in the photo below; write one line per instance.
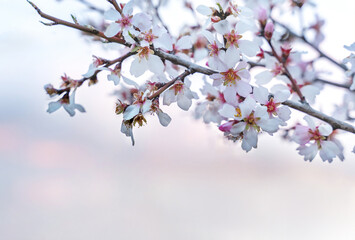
(335, 123)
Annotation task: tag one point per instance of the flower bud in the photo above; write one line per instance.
(268, 31)
(262, 17)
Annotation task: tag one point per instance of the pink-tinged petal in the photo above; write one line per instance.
(112, 30)
(222, 27)
(69, 108)
(146, 106)
(227, 111)
(155, 64)
(263, 77)
(131, 111)
(249, 48)
(232, 57)
(53, 106)
(184, 43)
(114, 78)
(128, 8)
(112, 15)
(164, 42)
(325, 129)
(269, 125)
(247, 106)
(204, 10)
(284, 113)
(164, 118)
(310, 122)
(138, 67)
(251, 136)
(261, 94)
(281, 96)
(183, 102)
(308, 152)
(301, 135)
(142, 21)
(169, 97)
(243, 88)
(238, 128)
(230, 95)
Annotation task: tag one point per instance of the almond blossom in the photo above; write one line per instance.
(68, 103)
(315, 138)
(180, 92)
(251, 118)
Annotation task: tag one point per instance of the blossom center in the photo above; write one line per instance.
(125, 21)
(232, 38)
(144, 52)
(230, 77)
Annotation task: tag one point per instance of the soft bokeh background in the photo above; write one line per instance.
(79, 178)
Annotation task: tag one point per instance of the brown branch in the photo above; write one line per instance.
(335, 123)
(116, 6)
(168, 84)
(57, 21)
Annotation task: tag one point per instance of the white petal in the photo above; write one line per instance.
(263, 77)
(231, 57)
(184, 102)
(249, 48)
(204, 10)
(146, 106)
(164, 118)
(269, 125)
(169, 97)
(114, 78)
(155, 64)
(243, 88)
(69, 108)
(130, 112)
(247, 106)
(230, 95)
(130, 82)
(227, 111)
(251, 136)
(310, 122)
(325, 129)
(142, 21)
(284, 113)
(222, 27)
(238, 128)
(112, 15)
(112, 30)
(164, 42)
(138, 67)
(281, 96)
(79, 107)
(53, 106)
(184, 43)
(91, 71)
(261, 94)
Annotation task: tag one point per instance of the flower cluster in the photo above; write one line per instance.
(253, 72)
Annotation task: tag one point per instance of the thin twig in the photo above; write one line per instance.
(168, 84)
(346, 86)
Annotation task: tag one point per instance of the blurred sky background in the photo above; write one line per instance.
(80, 178)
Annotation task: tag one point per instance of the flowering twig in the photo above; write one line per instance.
(168, 84)
(287, 73)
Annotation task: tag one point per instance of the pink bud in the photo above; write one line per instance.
(262, 16)
(269, 29)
